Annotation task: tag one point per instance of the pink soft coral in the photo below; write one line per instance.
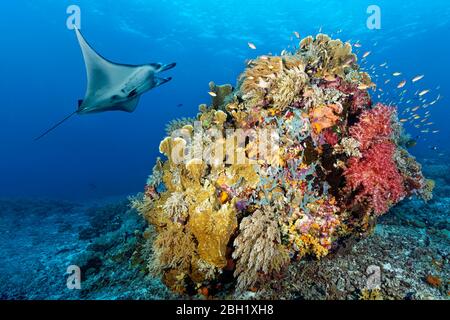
(375, 178)
(330, 137)
(375, 125)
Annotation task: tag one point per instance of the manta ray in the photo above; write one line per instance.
(113, 86)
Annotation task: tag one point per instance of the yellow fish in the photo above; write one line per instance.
(424, 92)
(363, 87)
(396, 74)
(212, 94)
(401, 84)
(251, 46)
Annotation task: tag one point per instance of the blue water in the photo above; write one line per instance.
(42, 76)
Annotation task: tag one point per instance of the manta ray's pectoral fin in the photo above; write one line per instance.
(102, 73)
(130, 105)
(161, 81)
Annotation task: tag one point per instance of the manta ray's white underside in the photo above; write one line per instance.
(113, 86)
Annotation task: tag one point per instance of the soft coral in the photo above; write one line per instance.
(375, 125)
(375, 178)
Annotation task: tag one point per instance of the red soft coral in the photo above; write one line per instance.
(330, 137)
(375, 125)
(375, 178)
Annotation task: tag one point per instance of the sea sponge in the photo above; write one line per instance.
(323, 117)
(222, 93)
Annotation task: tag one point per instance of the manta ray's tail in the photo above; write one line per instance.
(55, 126)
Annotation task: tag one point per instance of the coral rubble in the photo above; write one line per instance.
(290, 164)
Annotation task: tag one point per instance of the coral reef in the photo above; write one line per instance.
(293, 163)
(258, 248)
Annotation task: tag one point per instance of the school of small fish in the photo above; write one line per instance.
(416, 116)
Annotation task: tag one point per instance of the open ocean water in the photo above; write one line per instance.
(63, 199)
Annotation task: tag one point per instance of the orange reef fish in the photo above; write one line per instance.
(401, 84)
